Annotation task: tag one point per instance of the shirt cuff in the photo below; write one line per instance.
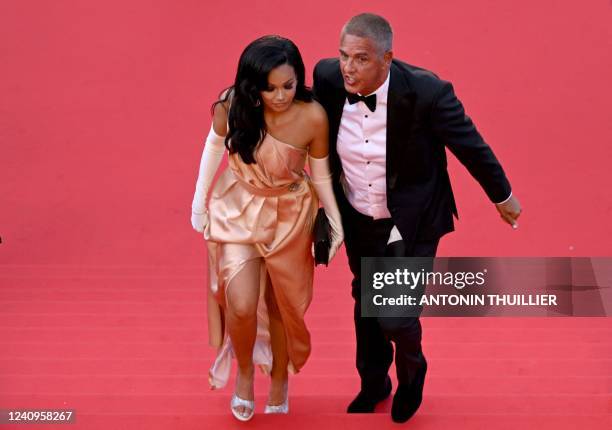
(394, 236)
(501, 203)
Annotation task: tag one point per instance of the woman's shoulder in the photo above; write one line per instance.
(221, 111)
(225, 99)
(314, 113)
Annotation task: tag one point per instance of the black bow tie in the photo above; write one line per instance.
(370, 100)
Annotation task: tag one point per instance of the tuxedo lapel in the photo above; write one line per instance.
(400, 106)
(337, 97)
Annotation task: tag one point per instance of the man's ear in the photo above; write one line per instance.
(388, 57)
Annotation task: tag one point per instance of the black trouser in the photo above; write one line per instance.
(366, 237)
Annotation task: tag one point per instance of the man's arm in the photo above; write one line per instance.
(457, 131)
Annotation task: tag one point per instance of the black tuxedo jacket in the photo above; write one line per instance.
(423, 117)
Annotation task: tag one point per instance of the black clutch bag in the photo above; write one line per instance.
(396, 249)
(321, 238)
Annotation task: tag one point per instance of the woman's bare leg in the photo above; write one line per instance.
(242, 295)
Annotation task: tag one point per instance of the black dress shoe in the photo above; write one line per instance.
(405, 403)
(366, 402)
(408, 397)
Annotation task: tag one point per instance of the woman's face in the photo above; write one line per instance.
(280, 93)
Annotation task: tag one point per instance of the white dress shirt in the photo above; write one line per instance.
(362, 147)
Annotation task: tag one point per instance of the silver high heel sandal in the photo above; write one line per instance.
(283, 408)
(248, 404)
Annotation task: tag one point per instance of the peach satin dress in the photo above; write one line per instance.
(262, 211)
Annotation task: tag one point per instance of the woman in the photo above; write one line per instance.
(259, 220)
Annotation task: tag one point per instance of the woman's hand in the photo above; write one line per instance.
(199, 221)
(337, 236)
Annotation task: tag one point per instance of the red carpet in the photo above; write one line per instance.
(129, 351)
(103, 110)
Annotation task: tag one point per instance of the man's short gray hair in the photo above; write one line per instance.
(373, 27)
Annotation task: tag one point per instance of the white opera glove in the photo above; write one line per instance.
(211, 159)
(199, 221)
(321, 179)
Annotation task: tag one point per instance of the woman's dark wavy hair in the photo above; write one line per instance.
(246, 114)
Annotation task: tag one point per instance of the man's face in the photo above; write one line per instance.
(363, 67)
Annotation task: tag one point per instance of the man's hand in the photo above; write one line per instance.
(510, 210)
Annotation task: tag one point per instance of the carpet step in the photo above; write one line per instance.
(315, 365)
(309, 384)
(319, 404)
(78, 349)
(193, 334)
(333, 421)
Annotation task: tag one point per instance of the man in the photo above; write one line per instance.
(390, 123)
